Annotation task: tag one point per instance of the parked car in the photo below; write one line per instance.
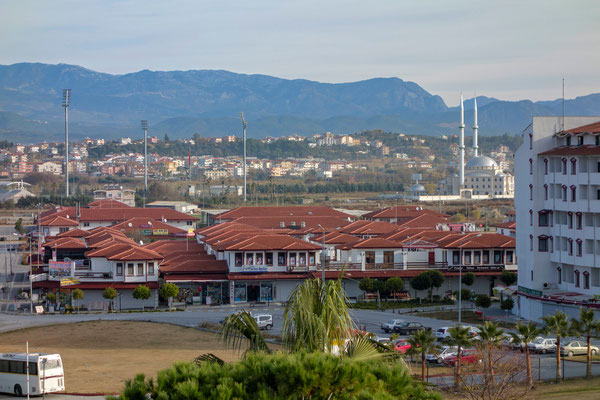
(264, 321)
(521, 346)
(410, 328)
(468, 356)
(445, 352)
(402, 346)
(391, 325)
(444, 333)
(542, 345)
(576, 347)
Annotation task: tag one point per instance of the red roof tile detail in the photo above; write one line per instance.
(107, 203)
(295, 211)
(585, 150)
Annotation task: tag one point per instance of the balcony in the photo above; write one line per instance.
(411, 266)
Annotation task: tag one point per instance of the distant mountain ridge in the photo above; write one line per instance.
(208, 102)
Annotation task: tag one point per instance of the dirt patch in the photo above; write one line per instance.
(99, 356)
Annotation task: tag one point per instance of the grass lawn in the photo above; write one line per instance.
(570, 389)
(99, 356)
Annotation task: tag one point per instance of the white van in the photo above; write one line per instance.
(264, 321)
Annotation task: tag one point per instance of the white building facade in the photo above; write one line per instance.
(557, 201)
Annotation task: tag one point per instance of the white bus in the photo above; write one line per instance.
(45, 373)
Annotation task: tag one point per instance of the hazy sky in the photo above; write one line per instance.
(506, 49)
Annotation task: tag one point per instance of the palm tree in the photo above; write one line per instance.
(461, 338)
(316, 317)
(526, 334)
(422, 342)
(588, 326)
(491, 335)
(557, 325)
(241, 327)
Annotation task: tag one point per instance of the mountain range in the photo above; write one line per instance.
(208, 102)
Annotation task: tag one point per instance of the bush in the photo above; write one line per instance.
(141, 292)
(468, 278)
(169, 290)
(507, 304)
(508, 278)
(280, 376)
(483, 301)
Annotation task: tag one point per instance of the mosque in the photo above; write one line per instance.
(479, 178)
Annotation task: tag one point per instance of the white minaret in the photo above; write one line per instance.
(475, 127)
(462, 144)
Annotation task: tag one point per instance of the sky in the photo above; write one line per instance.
(510, 50)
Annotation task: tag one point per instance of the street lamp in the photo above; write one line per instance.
(464, 236)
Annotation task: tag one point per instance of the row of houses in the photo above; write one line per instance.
(259, 254)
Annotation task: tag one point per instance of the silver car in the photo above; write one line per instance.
(445, 351)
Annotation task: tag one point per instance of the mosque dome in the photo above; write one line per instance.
(481, 162)
(417, 187)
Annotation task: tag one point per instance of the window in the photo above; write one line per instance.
(576, 278)
(476, 257)
(269, 258)
(259, 259)
(570, 219)
(249, 258)
(578, 220)
(598, 170)
(239, 259)
(509, 257)
(486, 256)
(467, 255)
(129, 268)
(530, 141)
(543, 244)
(543, 218)
(86, 224)
(292, 259)
(189, 223)
(530, 246)
(579, 140)
(312, 258)
(370, 257)
(530, 166)
(586, 280)
(530, 217)
(150, 268)
(568, 140)
(573, 193)
(573, 166)
(498, 256)
(570, 246)
(564, 166)
(545, 192)
(579, 247)
(280, 258)
(598, 195)
(564, 193)
(530, 191)
(545, 166)
(559, 277)
(140, 269)
(456, 257)
(532, 275)
(119, 269)
(388, 258)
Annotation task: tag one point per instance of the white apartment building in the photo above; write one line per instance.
(557, 200)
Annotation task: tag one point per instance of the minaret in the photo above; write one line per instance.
(462, 144)
(475, 127)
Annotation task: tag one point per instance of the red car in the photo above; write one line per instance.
(467, 357)
(402, 346)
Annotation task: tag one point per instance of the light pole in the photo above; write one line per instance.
(66, 103)
(145, 129)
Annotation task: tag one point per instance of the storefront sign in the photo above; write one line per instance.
(69, 282)
(190, 232)
(255, 268)
(160, 232)
(146, 232)
(532, 292)
(59, 268)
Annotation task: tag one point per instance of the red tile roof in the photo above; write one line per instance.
(195, 277)
(373, 228)
(58, 221)
(196, 266)
(96, 214)
(295, 211)
(507, 225)
(376, 243)
(74, 233)
(266, 242)
(107, 203)
(139, 223)
(402, 212)
(590, 128)
(294, 222)
(66, 243)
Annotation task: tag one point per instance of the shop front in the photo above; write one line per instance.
(253, 292)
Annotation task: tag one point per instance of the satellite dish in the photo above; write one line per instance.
(150, 223)
(130, 224)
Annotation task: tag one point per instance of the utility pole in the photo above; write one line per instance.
(66, 103)
(145, 129)
(244, 124)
